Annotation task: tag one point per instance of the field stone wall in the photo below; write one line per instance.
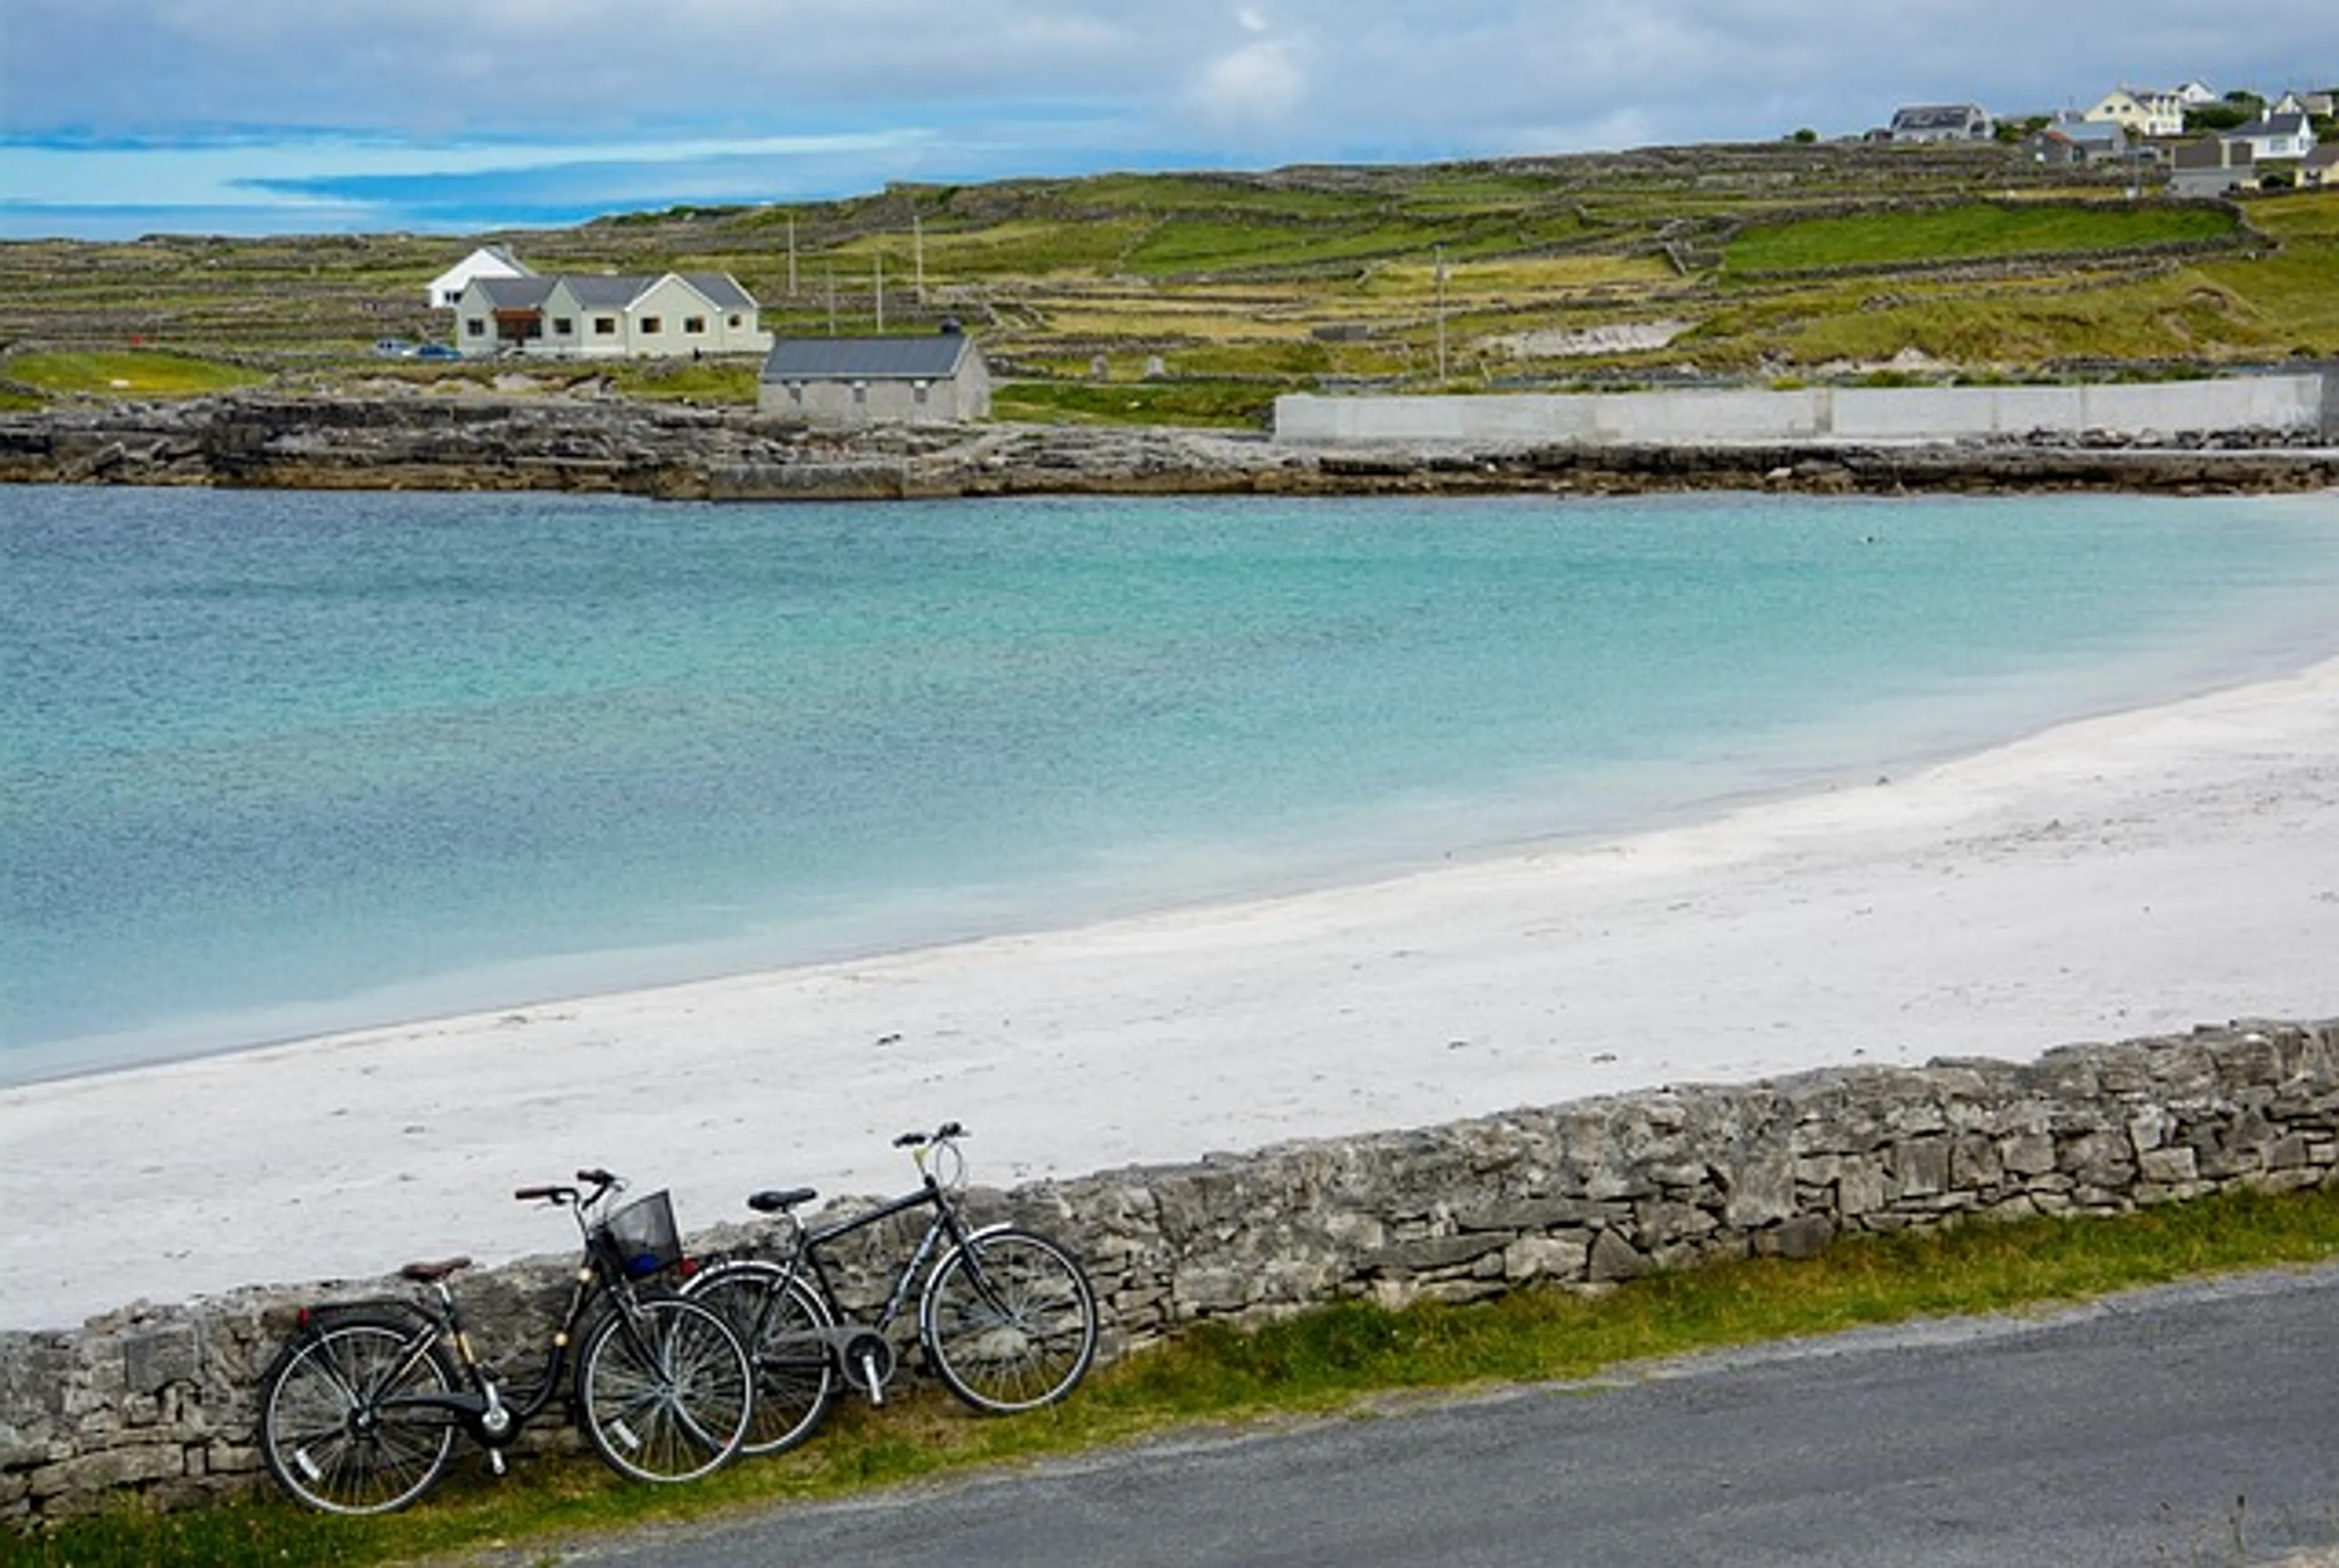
(155, 1400)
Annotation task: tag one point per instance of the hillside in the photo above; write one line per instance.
(1201, 296)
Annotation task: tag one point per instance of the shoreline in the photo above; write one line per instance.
(2140, 873)
(685, 453)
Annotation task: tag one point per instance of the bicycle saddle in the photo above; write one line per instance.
(432, 1273)
(780, 1200)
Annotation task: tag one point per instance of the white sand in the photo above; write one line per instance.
(2128, 877)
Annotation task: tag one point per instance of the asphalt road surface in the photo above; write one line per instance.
(2195, 1424)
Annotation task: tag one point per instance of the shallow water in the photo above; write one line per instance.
(275, 764)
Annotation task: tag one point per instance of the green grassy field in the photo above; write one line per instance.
(1321, 1363)
(1778, 260)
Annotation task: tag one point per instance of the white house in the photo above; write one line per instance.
(2142, 111)
(2276, 136)
(938, 379)
(486, 262)
(2197, 94)
(583, 315)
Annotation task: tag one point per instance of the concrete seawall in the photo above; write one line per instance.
(2293, 405)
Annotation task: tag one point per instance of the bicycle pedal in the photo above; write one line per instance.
(495, 1460)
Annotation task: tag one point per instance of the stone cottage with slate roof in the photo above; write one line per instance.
(582, 315)
(937, 380)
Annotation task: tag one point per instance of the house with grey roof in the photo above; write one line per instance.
(585, 315)
(1919, 123)
(2071, 140)
(2276, 136)
(2212, 166)
(2320, 168)
(486, 262)
(937, 380)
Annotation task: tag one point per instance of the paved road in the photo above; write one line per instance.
(2190, 1425)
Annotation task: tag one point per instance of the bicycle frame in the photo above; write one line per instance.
(492, 1412)
(867, 1348)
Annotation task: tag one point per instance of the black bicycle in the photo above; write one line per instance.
(1006, 1317)
(360, 1409)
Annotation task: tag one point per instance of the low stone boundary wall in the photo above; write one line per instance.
(156, 1402)
(2298, 404)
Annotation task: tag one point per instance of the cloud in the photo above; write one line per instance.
(1259, 86)
(990, 88)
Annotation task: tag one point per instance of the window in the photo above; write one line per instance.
(652, 326)
(605, 326)
(735, 323)
(475, 328)
(562, 326)
(694, 325)
(860, 392)
(918, 392)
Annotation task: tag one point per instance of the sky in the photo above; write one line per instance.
(124, 117)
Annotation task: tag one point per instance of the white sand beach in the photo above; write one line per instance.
(2132, 876)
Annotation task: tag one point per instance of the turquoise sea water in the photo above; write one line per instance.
(272, 764)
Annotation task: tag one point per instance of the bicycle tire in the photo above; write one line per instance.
(334, 1431)
(784, 1323)
(1009, 1321)
(663, 1390)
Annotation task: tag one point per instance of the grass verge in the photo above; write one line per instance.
(129, 373)
(1321, 1361)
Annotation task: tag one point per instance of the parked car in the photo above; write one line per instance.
(393, 348)
(436, 351)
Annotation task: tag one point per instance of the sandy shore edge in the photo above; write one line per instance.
(2130, 875)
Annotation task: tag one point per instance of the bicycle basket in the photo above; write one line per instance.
(641, 1238)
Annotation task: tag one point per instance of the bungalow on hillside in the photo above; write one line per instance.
(938, 379)
(595, 317)
(2212, 166)
(2142, 111)
(2069, 141)
(1921, 123)
(2275, 136)
(486, 262)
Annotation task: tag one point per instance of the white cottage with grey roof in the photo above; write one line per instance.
(486, 262)
(584, 315)
(937, 380)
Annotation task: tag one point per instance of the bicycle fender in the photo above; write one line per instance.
(324, 1314)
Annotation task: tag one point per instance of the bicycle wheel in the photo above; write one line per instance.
(341, 1424)
(1009, 1321)
(664, 1389)
(782, 1321)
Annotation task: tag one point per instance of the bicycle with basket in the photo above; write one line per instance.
(360, 1409)
(1006, 1317)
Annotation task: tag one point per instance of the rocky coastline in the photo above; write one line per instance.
(693, 453)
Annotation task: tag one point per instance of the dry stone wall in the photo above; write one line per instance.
(156, 1401)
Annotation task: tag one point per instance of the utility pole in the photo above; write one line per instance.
(1441, 315)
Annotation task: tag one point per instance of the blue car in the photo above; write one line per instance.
(436, 351)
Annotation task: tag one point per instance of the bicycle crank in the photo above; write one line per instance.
(867, 1356)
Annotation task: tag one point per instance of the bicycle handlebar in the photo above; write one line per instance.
(942, 1134)
(560, 1196)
